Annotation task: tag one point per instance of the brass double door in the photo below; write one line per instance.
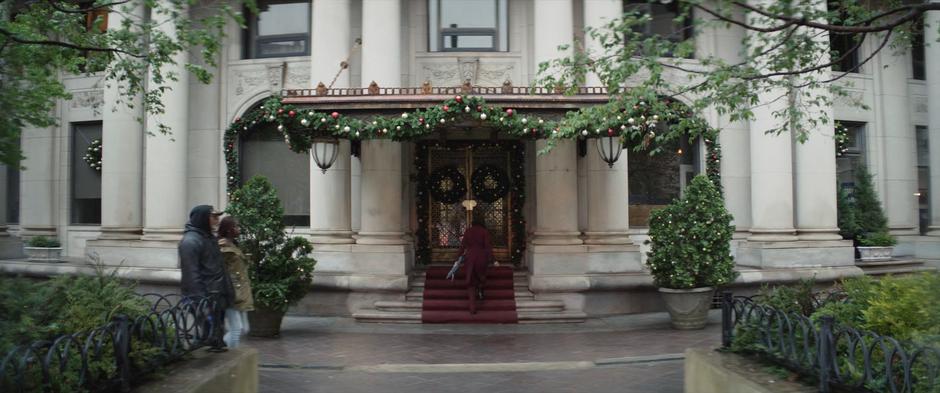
(448, 221)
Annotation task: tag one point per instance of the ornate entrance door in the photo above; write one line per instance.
(461, 182)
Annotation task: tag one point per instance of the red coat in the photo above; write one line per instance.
(477, 250)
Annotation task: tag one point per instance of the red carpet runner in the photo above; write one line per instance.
(445, 301)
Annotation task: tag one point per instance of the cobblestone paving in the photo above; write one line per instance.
(606, 355)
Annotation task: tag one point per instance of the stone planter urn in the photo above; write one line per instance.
(263, 322)
(43, 254)
(688, 308)
(875, 254)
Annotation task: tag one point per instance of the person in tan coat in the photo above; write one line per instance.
(236, 264)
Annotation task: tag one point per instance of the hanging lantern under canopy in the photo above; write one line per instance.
(324, 152)
(609, 147)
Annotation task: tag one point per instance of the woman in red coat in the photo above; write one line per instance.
(477, 251)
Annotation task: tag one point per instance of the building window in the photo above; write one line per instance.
(923, 178)
(468, 25)
(853, 155)
(662, 23)
(86, 181)
(264, 153)
(655, 181)
(843, 47)
(918, 61)
(279, 29)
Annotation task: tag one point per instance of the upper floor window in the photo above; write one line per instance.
(918, 61)
(663, 15)
(468, 25)
(843, 46)
(281, 28)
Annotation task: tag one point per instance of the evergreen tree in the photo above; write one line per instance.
(848, 222)
(869, 216)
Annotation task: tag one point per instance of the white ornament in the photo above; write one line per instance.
(346, 129)
(584, 132)
(375, 123)
(398, 128)
(655, 117)
(271, 117)
(357, 133)
(483, 116)
(322, 120)
(597, 131)
(404, 115)
(280, 127)
(443, 121)
(541, 121)
(524, 120)
(623, 127)
(304, 122)
(631, 120)
(427, 126)
(554, 132)
(466, 109)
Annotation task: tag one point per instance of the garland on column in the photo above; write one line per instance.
(842, 139)
(637, 121)
(93, 155)
(516, 185)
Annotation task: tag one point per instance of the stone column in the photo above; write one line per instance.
(381, 43)
(553, 25)
(166, 211)
(933, 98)
(381, 193)
(329, 200)
(37, 183)
(815, 168)
(330, 191)
(771, 172)
(121, 166)
(898, 173)
(556, 194)
(597, 13)
(4, 172)
(608, 204)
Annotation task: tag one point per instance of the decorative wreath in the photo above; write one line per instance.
(489, 183)
(93, 155)
(448, 185)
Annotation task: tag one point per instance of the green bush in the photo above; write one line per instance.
(44, 242)
(281, 270)
(877, 239)
(43, 310)
(690, 240)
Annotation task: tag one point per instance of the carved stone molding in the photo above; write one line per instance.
(89, 99)
(479, 74)
(495, 74)
(298, 75)
(275, 76)
(249, 81)
(469, 67)
(919, 104)
(441, 74)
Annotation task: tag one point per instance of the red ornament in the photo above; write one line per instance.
(509, 112)
(280, 111)
(238, 119)
(479, 108)
(446, 108)
(334, 115)
(459, 99)
(421, 120)
(610, 132)
(291, 113)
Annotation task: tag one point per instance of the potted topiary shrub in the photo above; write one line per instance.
(281, 270)
(43, 249)
(869, 226)
(690, 252)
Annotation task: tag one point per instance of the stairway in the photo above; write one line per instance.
(528, 310)
(902, 265)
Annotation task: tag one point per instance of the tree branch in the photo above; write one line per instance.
(914, 12)
(61, 44)
(54, 4)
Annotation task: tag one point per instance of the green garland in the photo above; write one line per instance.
(633, 119)
(93, 155)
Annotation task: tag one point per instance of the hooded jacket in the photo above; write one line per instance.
(201, 262)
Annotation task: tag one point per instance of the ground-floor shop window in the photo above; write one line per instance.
(656, 180)
(850, 153)
(265, 153)
(86, 173)
(923, 178)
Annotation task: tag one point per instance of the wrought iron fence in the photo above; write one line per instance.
(837, 356)
(114, 356)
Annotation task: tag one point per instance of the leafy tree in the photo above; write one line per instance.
(786, 60)
(42, 40)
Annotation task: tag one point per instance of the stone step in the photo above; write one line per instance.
(524, 306)
(892, 262)
(883, 270)
(518, 284)
(417, 294)
(398, 306)
(552, 317)
(375, 316)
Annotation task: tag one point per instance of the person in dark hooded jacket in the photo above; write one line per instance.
(201, 262)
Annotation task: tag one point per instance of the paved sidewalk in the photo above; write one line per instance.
(638, 353)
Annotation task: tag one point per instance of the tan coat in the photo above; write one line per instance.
(236, 264)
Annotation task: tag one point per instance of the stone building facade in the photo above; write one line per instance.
(585, 220)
